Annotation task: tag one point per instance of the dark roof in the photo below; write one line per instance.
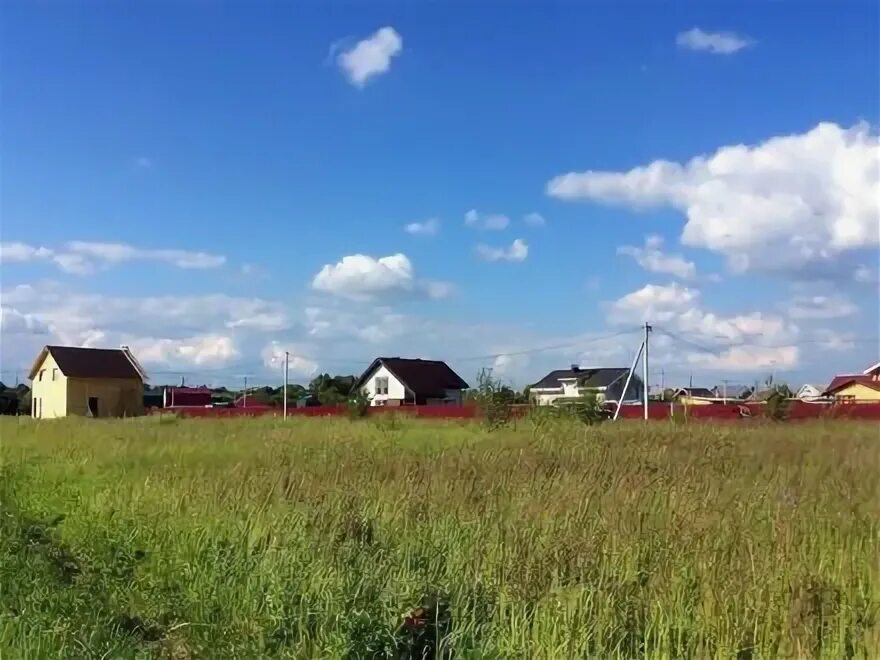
(602, 377)
(839, 382)
(77, 362)
(703, 392)
(179, 389)
(426, 378)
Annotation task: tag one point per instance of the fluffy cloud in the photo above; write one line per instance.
(534, 219)
(487, 221)
(298, 364)
(74, 317)
(517, 251)
(651, 258)
(708, 339)
(718, 43)
(371, 56)
(741, 358)
(83, 257)
(428, 227)
(13, 321)
(213, 350)
(792, 204)
(361, 277)
(820, 307)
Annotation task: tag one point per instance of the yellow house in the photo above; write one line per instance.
(857, 388)
(695, 396)
(92, 382)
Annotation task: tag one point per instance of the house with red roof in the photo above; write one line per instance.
(856, 388)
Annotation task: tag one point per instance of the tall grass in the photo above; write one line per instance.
(398, 539)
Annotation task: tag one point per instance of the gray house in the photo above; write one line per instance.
(565, 385)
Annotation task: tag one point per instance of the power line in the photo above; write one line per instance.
(553, 347)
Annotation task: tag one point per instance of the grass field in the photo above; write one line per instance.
(386, 538)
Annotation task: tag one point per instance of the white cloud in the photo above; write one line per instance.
(361, 277)
(114, 253)
(371, 56)
(865, 275)
(793, 204)
(21, 252)
(13, 321)
(266, 322)
(517, 251)
(534, 219)
(820, 307)
(487, 221)
(298, 365)
(83, 257)
(652, 258)
(214, 350)
(748, 358)
(718, 43)
(704, 337)
(428, 227)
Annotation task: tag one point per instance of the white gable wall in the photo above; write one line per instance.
(396, 390)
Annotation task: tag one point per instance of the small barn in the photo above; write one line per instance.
(90, 382)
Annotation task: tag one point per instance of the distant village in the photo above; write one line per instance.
(97, 382)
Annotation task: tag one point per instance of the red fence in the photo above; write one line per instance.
(719, 411)
(656, 411)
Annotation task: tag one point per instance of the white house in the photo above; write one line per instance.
(607, 384)
(399, 381)
(809, 393)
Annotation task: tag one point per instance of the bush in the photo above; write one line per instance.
(358, 405)
(777, 407)
(492, 398)
(589, 409)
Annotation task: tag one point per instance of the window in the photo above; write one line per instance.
(54, 374)
(40, 376)
(382, 385)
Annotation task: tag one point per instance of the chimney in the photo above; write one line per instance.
(575, 368)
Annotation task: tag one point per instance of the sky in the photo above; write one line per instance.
(515, 188)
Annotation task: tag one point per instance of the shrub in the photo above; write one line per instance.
(493, 400)
(358, 405)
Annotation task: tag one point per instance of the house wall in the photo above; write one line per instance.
(570, 388)
(693, 401)
(49, 393)
(396, 391)
(117, 397)
(451, 398)
(545, 398)
(858, 392)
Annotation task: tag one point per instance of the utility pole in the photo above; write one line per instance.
(645, 367)
(286, 371)
(724, 382)
(244, 400)
(629, 376)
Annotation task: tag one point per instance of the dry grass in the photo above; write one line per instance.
(396, 539)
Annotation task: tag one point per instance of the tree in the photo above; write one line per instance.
(493, 399)
(331, 390)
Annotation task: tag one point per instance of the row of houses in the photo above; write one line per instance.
(110, 383)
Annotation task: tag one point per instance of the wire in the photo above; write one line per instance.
(553, 347)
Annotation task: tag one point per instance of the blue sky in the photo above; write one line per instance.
(190, 178)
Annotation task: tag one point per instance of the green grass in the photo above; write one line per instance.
(320, 538)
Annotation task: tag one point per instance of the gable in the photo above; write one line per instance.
(46, 365)
(423, 377)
